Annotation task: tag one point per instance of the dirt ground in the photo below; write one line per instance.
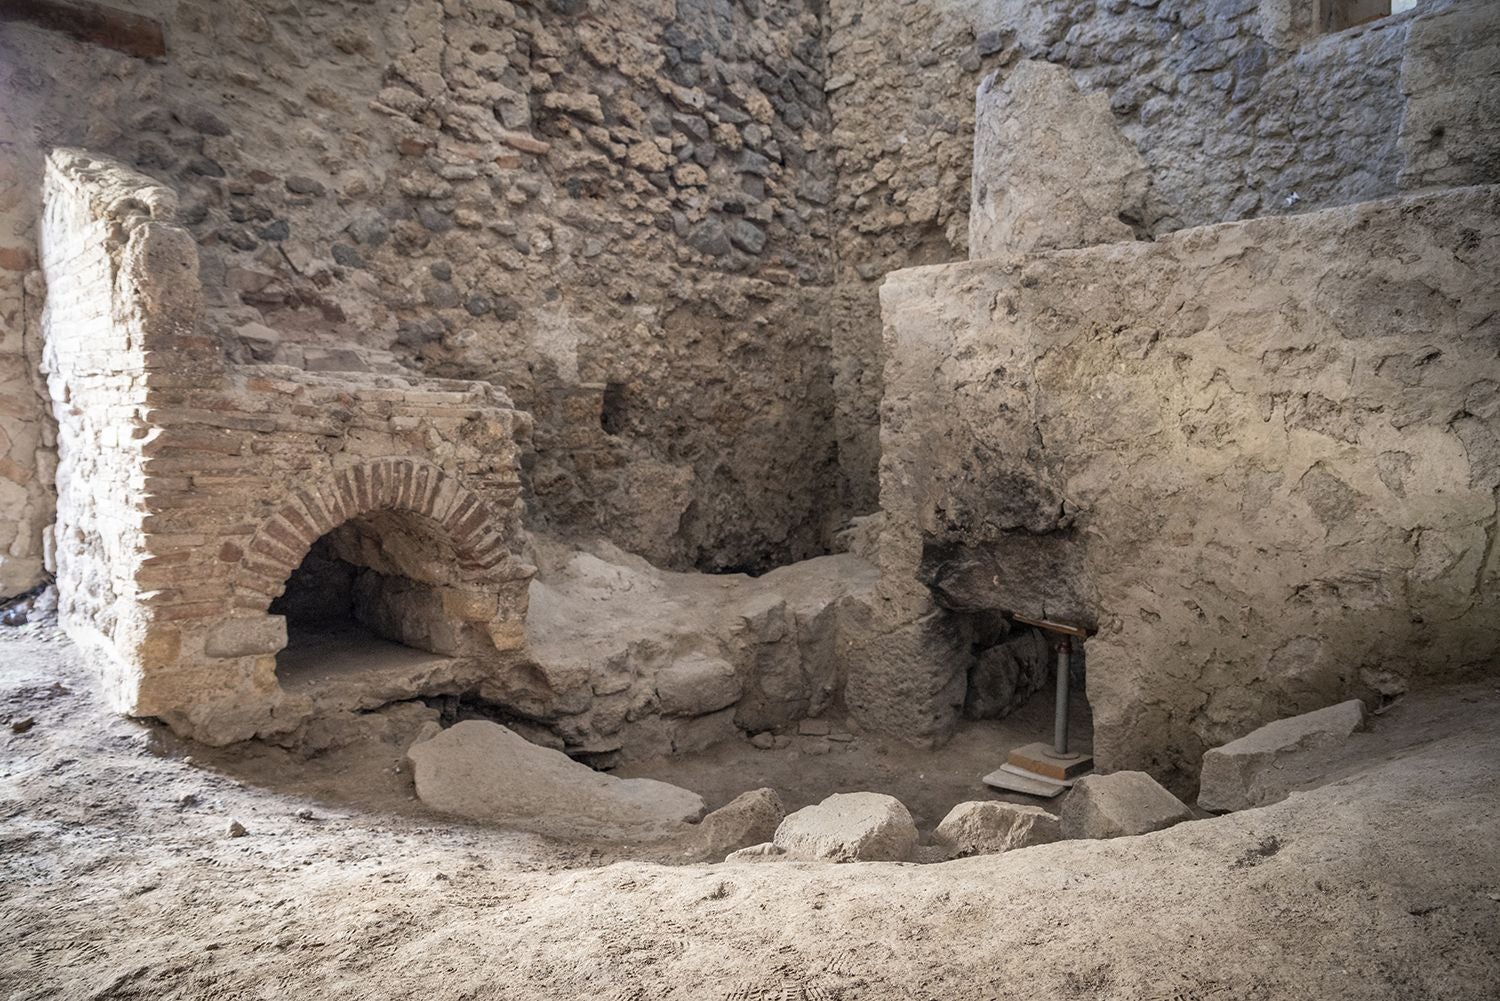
(118, 879)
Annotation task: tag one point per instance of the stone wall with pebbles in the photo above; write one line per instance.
(1239, 109)
(660, 225)
(617, 214)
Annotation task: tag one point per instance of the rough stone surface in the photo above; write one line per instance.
(849, 827)
(1259, 457)
(1451, 81)
(697, 684)
(625, 659)
(988, 828)
(191, 487)
(1239, 110)
(484, 771)
(1051, 167)
(332, 162)
(1259, 767)
(750, 818)
(1119, 805)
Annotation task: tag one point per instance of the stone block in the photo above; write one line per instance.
(849, 827)
(1263, 766)
(750, 818)
(1120, 805)
(988, 828)
(696, 684)
(1051, 167)
(485, 771)
(246, 637)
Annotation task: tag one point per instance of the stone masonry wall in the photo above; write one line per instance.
(191, 489)
(1262, 459)
(617, 212)
(1238, 108)
(660, 225)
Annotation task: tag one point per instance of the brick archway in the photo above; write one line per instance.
(420, 489)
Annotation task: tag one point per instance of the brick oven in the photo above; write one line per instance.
(242, 546)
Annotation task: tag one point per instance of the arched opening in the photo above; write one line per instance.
(373, 598)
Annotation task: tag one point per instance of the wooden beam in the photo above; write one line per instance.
(121, 30)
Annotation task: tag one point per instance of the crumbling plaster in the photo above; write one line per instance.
(1262, 459)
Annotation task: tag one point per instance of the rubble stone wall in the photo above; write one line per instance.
(1262, 459)
(1238, 108)
(617, 212)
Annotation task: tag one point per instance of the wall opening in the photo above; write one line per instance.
(359, 604)
(1014, 674)
(1337, 15)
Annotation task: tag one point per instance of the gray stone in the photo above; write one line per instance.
(747, 236)
(1051, 168)
(1120, 805)
(485, 771)
(300, 185)
(1006, 675)
(1263, 766)
(748, 819)
(850, 827)
(347, 256)
(988, 828)
(710, 238)
(696, 684)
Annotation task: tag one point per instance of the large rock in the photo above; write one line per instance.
(988, 828)
(751, 818)
(485, 771)
(697, 684)
(1120, 805)
(1051, 168)
(1264, 765)
(850, 827)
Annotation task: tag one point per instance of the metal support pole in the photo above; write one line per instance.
(1060, 711)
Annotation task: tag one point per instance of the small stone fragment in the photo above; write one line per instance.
(237, 829)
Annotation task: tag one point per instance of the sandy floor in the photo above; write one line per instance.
(118, 880)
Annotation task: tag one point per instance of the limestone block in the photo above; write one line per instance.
(1051, 168)
(1261, 767)
(262, 634)
(988, 828)
(696, 684)
(850, 827)
(1119, 805)
(485, 771)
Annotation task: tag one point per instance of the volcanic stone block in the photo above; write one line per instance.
(1051, 167)
(485, 771)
